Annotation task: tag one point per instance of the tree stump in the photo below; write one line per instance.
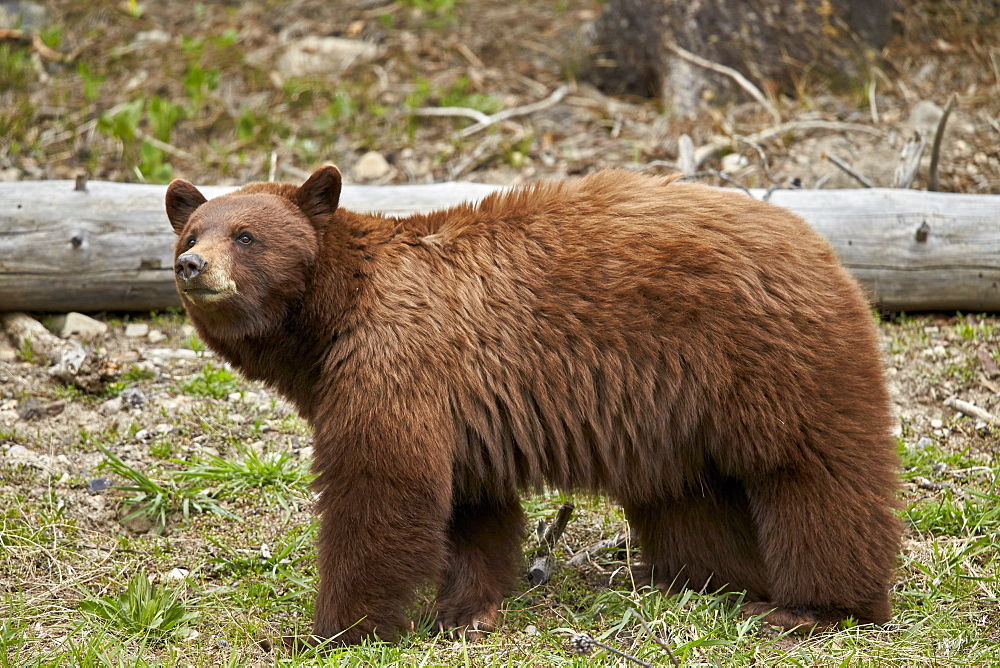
(779, 44)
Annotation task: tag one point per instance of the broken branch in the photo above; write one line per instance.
(932, 180)
(847, 169)
(970, 410)
(541, 570)
(735, 75)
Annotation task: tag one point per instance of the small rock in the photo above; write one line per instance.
(99, 485)
(112, 406)
(136, 330)
(10, 174)
(221, 644)
(21, 15)
(733, 162)
(306, 452)
(35, 410)
(79, 325)
(164, 428)
(133, 397)
(173, 354)
(7, 353)
(531, 630)
(372, 165)
(236, 418)
(142, 435)
(176, 574)
(936, 424)
(322, 56)
(156, 336)
(152, 37)
(18, 454)
(924, 443)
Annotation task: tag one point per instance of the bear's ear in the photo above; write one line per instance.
(182, 199)
(319, 196)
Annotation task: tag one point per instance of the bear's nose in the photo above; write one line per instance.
(189, 265)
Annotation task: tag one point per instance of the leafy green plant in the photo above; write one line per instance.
(216, 383)
(278, 474)
(16, 70)
(157, 500)
(91, 82)
(441, 11)
(143, 610)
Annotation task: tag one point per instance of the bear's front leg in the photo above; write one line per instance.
(382, 534)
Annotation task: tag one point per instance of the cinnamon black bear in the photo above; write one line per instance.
(697, 356)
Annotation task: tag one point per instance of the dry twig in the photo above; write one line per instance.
(847, 169)
(484, 121)
(932, 179)
(541, 569)
(741, 80)
(970, 410)
(708, 150)
(34, 41)
(909, 161)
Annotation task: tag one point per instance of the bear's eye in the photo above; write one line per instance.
(191, 241)
(245, 239)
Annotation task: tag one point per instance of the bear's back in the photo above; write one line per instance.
(614, 323)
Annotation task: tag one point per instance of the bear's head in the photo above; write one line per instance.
(242, 261)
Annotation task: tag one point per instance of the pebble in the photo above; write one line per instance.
(733, 162)
(156, 336)
(99, 485)
(133, 397)
(136, 330)
(112, 406)
(322, 56)
(372, 165)
(27, 16)
(936, 424)
(924, 443)
(176, 574)
(78, 325)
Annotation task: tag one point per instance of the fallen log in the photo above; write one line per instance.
(110, 247)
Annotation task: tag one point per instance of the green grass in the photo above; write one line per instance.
(278, 475)
(142, 610)
(158, 499)
(72, 596)
(212, 382)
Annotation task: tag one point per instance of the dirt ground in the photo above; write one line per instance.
(229, 95)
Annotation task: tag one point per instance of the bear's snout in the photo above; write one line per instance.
(189, 265)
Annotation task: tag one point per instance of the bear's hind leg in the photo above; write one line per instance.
(704, 540)
(829, 539)
(484, 550)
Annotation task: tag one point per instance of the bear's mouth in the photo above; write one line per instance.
(203, 296)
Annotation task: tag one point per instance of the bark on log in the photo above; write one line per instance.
(111, 248)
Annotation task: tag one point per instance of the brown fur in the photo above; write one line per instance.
(697, 356)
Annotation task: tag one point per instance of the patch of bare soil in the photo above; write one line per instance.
(258, 93)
